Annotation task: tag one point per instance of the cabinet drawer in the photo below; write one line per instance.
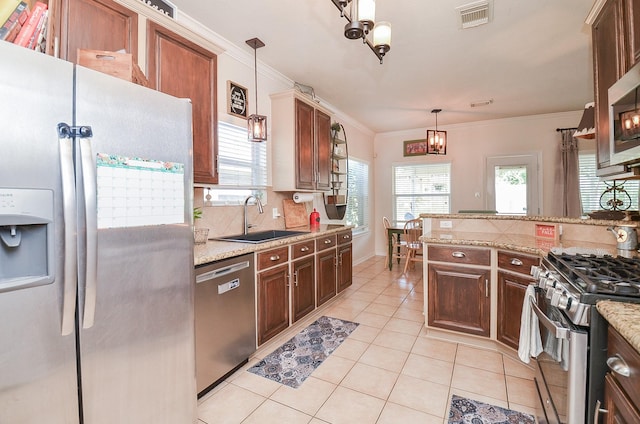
(326, 242)
(301, 249)
(516, 262)
(344, 237)
(459, 255)
(618, 346)
(273, 257)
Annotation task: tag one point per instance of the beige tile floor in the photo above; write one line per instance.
(387, 371)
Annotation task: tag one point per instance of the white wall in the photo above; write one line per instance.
(468, 147)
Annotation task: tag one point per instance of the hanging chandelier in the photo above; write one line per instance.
(436, 140)
(256, 124)
(361, 22)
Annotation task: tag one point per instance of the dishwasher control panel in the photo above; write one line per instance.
(229, 285)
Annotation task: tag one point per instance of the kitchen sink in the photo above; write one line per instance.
(260, 236)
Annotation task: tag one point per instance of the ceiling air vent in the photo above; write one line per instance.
(474, 14)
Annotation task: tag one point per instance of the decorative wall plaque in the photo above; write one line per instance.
(237, 100)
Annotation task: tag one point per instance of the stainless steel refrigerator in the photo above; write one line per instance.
(96, 247)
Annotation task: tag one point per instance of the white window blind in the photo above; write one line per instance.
(421, 189)
(242, 167)
(358, 201)
(591, 188)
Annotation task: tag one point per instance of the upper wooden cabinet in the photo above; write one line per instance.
(182, 68)
(301, 140)
(616, 48)
(175, 64)
(96, 25)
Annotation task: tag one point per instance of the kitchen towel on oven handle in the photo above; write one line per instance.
(530, 344)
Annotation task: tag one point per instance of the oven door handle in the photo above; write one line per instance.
(557, 331)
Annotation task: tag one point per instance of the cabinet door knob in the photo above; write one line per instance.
(618, 365)
(459, 255)
(274, 257)
(304, 249)
(346, 237)
(516, 262)
(327, 241)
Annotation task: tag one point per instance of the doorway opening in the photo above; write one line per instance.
(512, 184)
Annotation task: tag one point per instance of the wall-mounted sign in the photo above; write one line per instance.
(414, 148)
(237, 100)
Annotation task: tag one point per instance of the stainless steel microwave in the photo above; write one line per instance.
(624, 118)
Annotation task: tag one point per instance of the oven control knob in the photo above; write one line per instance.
(563, 302)
(535, 271)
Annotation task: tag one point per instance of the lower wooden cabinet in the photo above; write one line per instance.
(303, 293)
(459, 299)
(273, 302)
(618, 408)
(345, 266)
(326, 275)
(511, 292)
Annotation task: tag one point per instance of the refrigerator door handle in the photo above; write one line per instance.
(69, 214)
(91, 216)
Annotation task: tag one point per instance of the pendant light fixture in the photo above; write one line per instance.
(361, 22)
(436, 140)
(257, 124)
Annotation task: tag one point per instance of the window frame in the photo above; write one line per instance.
(353, 180)
(394, 187)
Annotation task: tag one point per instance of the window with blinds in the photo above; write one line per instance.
(358, 201)
(592, 189)
(421, 189)
(242, 167)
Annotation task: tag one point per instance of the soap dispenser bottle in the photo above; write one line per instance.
(314, 218)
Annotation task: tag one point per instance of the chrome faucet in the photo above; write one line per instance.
(260, 210)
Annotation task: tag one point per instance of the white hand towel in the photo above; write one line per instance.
(530, 344)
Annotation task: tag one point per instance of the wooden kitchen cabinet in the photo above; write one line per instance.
(273, 302)
(326, 261)
(95, 25)
(301, 134)
(459, 295)
(181, 68)
(344, 272)
(513, 279)
(303, 290)
(622, 393)
(616, 48)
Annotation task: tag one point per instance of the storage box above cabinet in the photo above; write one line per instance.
(301, 143)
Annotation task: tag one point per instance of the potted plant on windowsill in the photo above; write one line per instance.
(200, 235)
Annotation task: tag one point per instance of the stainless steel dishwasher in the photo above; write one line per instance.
(225, 319)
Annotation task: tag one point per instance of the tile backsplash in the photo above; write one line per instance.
(227, 220)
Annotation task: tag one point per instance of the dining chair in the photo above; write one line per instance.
(412, 233)
(398, 245)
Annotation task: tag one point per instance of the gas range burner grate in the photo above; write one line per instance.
(600, 274)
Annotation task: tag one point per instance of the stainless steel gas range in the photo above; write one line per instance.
(570, 370)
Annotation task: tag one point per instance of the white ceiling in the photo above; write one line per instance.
(534, 57)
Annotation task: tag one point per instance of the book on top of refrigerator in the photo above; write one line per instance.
(11, 27)
(28, 29)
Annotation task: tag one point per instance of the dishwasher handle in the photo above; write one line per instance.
(210, 275)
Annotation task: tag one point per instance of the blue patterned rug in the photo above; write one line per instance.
(467, 411)
(294, 361)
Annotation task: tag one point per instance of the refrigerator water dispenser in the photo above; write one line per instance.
(26, 238)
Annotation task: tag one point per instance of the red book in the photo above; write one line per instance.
(12, 26)
(24, 37)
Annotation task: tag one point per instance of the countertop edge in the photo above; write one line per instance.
(624, 317)
(560, 220)
(213, 250)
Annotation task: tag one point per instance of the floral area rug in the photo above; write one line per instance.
(294, 361)
(467, 411)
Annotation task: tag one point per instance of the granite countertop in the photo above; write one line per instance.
(624, 317)
(214, 250)
(516, 242)
(556, 219)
